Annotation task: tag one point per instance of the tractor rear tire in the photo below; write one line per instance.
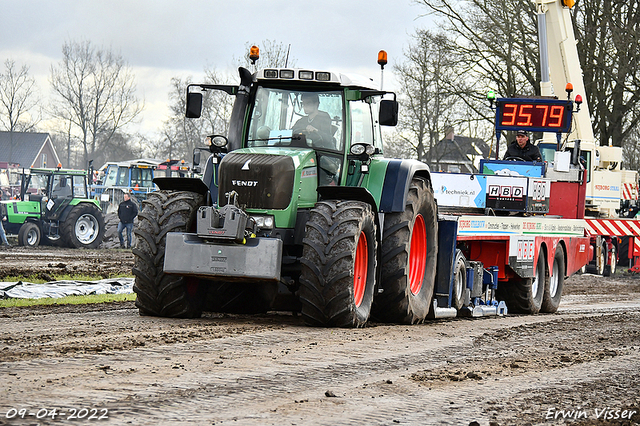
(160, 294)
(409, 258)
(525, 295)
(339, 264)
(84, 227)
(29, 235)
(554, 283)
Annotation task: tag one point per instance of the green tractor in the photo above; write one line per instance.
(297, 210)
(54, 208)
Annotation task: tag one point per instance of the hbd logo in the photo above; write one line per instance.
(498, 191)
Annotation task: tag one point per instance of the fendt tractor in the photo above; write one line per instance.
(306, 215)
(54, 208)
(298, 210)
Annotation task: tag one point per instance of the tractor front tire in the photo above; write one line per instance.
(84, 227)
(409, 258)
(29, 235)
(157, 293)
(339, 264)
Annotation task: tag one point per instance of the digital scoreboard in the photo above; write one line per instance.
(534, 115)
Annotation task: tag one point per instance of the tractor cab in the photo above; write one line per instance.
(317, 117)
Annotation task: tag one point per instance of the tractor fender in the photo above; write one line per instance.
(181, 184)
(397, 181)
(357, 193)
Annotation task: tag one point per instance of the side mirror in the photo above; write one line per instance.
(196, 158)
(194, 105)
(388, 113)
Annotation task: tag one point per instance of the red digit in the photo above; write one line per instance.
(544, 114)
(526, 115)
(511, 114)
(557, 112)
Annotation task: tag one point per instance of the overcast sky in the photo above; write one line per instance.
(161, 39)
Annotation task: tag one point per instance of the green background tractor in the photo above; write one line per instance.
(54, 208)
(303, 213)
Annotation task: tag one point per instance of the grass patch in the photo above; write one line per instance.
(68, 300)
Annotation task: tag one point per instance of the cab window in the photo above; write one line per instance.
(297, 118)
(363, 126)
(79, 188)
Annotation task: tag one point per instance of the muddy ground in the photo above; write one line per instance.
(580, 366)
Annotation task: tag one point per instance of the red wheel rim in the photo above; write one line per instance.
(417, 255)
(360, 267)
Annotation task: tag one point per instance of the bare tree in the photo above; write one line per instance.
(499, 42)
(608, 35)
(181, 134)
(427, 98)
(272, 54)
(95, 91)
(17, 101)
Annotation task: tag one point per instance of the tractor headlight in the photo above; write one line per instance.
(216, 140)
(264, 222)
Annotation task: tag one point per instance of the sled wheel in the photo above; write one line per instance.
(554, 283)
(524, 295)
(459, 281)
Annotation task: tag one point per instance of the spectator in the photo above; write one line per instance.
(127, 212)
(3, 217)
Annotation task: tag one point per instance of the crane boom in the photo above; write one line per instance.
(558, 46)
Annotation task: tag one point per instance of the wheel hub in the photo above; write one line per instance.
(361, 266)
(417, 255)
(86, 229)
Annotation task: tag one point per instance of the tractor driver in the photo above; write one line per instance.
(521, 149)
(316, 125)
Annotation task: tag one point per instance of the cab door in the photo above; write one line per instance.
(60, 196)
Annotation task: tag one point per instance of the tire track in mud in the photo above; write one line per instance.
(379, 375)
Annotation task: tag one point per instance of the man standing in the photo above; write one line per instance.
(127, 212)
(3, 216)
(522, 149)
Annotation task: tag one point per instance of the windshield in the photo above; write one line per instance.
(297, 118)
(38, 184)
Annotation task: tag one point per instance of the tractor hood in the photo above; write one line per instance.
(264, 178)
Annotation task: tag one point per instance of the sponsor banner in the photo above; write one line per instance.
(506, 226)
(459, 190)
(507, 193)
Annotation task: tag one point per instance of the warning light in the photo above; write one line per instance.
(382, 58)
(254, 54)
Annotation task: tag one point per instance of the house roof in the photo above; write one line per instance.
(26, 147)
(459, 149)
